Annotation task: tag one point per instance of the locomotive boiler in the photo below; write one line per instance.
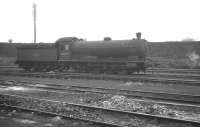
(71, 53)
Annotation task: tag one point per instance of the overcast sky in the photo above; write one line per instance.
(158, 20)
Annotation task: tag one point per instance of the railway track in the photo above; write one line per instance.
(149, 70)
(9, 67)
(142, 77)
(152, 95)
(71, 112)
(178, 71)
(151, 73)
(182, 100)
(96, 114)
(19, 117)
(175, 75)
(158, 98)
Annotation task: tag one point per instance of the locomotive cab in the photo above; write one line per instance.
(64, 46)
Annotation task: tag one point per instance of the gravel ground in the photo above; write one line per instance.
(158, 87)
(111, 102)
(89, 113)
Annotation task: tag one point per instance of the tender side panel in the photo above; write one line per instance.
(37, 54)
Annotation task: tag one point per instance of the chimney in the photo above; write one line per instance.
(10, 40)
(138, 35)
(107, 38)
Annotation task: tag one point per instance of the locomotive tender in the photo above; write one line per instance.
(71, 53)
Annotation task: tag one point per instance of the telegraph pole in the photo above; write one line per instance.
(34, 21)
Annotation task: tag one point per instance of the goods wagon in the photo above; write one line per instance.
(71, 53)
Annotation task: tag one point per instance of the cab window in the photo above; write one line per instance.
(66, 47)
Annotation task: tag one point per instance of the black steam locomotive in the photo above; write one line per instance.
(71, 53)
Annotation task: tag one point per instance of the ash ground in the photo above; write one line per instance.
(157, 87)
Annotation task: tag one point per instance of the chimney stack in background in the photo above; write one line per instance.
(138, 35)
